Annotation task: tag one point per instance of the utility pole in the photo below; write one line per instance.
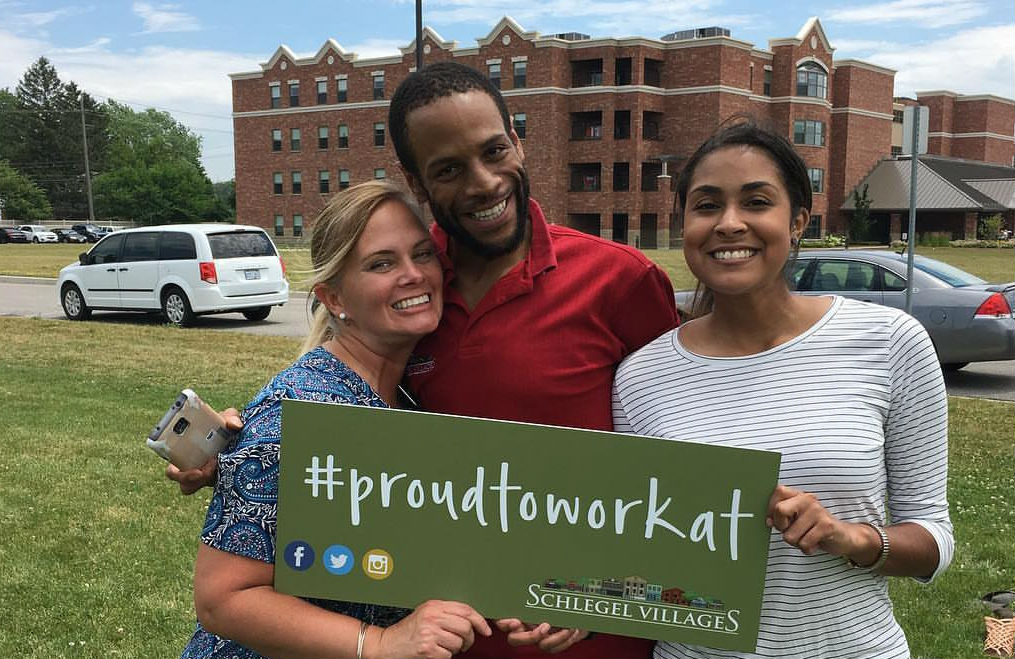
(419, 34)
(911, 247)
(88, 172)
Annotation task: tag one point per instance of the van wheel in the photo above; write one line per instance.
(176, 307)
(74, 303)
(257, 313)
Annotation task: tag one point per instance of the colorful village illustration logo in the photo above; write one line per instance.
(634, 598)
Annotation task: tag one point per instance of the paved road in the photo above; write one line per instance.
(37, 297)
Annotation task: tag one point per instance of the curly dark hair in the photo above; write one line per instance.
(423, 87)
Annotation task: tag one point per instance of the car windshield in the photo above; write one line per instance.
(239, 244)
(946, 273)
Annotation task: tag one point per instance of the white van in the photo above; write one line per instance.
(183, 269)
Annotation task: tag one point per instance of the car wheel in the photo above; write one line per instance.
(954, 366)
(257, 313)
(35, 240)
(74, 303)
(176, 307)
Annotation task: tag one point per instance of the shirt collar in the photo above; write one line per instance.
(540, 257)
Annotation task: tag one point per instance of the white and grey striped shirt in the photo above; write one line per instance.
(856, 405)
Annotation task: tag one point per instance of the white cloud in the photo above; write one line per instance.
(923, 13)
(377, 47)
(986, 65)
(164, 18)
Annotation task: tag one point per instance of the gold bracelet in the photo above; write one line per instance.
(360, 639)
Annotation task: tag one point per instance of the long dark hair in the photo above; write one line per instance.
(744, 130)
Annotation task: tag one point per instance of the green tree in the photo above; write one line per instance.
(859, 223)
(22, 200)
(40, 134)
(153, 171)
(990, 227)
(225, 192)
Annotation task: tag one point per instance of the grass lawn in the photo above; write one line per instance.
(46, 260)
(98, 549)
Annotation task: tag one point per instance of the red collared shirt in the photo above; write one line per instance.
(543, 343)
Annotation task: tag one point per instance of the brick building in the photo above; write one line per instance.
(979, 128)
(603, 121)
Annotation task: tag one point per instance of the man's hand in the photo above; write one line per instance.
(549, 639)
(193, 480)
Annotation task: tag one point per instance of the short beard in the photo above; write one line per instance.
(464, 239)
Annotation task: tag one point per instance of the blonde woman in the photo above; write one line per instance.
(377, 284)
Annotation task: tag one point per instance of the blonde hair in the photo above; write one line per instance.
(335, 233)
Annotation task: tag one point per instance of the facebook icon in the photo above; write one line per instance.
(299, 555)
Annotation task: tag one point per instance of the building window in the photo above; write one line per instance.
(343, 179)
(518, 123)
(622, 71)
(276, 183)
(767, 91)
(276, 95)
(297, 225)
(586, 125)
(322, 137)
(295, 139)
(585, 177)
(811, 80)
(379, 134)
(297, 182)
(586, 73)
(809, 132)
(520, 70)
(817, 177)
(493, 72)
(897, 116)
(621, 124)
(621, 176)
(322, 92)
(380, 174)
(276, 139)
(343, 90)
(279, 225)
(813, 229)
(343, 136)
(653, 72)
(378, 86)
(651, 125)
(294, 94)
(324, 181)
(650, 172)
(896, 150)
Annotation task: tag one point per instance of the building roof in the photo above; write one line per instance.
(941, 184)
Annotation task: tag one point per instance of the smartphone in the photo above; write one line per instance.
(190, 432)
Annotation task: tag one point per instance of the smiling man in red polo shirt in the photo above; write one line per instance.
(536, 316)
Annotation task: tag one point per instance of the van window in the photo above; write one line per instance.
(176, 246)
(142, 246)
(239, 244)
(108, 249)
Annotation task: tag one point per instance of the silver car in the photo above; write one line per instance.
(968, 319)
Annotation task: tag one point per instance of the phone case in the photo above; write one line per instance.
(190, 433)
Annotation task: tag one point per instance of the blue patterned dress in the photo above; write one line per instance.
(242, 513)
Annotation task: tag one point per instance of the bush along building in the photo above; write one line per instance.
(605, 122)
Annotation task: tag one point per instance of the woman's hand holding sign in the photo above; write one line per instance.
(807, 525)
(436, 629)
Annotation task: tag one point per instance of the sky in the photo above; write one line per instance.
(177, 56)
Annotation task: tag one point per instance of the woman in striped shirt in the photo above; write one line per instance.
(849, 393)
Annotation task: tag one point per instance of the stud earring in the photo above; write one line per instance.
(342, 316)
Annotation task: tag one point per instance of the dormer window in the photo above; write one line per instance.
(811, 80)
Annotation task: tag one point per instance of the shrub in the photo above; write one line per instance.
(982, 243)
(830, 240)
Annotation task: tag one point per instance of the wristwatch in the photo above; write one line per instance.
(882, 556)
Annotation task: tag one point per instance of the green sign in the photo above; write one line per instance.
(607, 532)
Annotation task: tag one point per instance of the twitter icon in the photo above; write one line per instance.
(338, 559)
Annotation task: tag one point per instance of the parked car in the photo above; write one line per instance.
(92, 232)
(968, 319)
(38, 234)
(12, 235)
(183, 270)
(69, 236)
